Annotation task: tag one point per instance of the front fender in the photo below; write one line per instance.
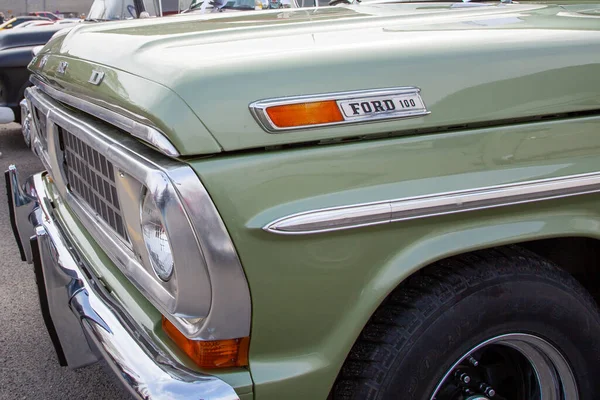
(312, 294)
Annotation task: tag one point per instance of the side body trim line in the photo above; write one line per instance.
(359, 215)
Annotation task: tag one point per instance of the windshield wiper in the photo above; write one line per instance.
(95, 20)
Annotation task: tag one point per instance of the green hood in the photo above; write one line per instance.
(193, 76)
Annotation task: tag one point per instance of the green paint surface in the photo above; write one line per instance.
(312, 295)
(193, 76)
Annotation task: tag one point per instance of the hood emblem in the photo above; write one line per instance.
(96, 78)
(341, 108)
(43, 62)
(62, 67)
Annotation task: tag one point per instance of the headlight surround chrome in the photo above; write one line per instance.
(187, 294)
(207, 296)
(156, 237)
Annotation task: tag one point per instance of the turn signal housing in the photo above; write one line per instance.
(305, 114)
(210, 353)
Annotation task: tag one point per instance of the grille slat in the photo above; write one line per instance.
(42, 121)
(91, 177)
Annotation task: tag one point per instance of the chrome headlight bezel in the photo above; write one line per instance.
(207, 297)
(188, 293)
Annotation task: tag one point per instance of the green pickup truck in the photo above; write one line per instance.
(377, 200)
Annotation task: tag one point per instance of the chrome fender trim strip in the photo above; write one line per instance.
(359, 215)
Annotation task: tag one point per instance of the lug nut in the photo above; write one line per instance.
(473, 361)
(487, 390)
(463, 377)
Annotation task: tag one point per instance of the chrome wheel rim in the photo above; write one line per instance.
(516, 365)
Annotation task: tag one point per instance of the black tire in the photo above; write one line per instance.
(436, 316)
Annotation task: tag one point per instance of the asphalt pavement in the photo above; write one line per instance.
(28, 365)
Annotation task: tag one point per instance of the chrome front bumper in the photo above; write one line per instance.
(83, 321)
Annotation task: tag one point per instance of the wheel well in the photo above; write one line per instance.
(413, 331)
(579, 256)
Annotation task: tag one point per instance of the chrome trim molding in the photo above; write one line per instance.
(62, 67)
(96, 78)
(24, 201)
(91, 324)
(258, 109)
(25, 121)
(354, 216)
(208, 297)
(148, 134)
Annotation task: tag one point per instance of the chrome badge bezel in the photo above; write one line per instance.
(43, 62)
(62, 67)
(258, 109)
(96, 78)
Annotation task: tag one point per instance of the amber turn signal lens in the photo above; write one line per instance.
(305, 114)
(213, 353)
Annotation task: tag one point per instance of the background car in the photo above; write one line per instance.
(45, 14)
(30, 24)
(15, 53)
(11, 23)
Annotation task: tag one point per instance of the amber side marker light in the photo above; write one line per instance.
(210, 354)
(305, 114)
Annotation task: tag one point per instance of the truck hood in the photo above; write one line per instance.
(473, 63)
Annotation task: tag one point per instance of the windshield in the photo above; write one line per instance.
(109, 10)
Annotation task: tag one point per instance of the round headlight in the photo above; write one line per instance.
(156, 239)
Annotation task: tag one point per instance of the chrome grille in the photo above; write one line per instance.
(91, 177)
(40, 122)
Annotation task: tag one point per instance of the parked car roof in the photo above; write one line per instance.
(33, 23)
(19, 20)
(46, 14)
